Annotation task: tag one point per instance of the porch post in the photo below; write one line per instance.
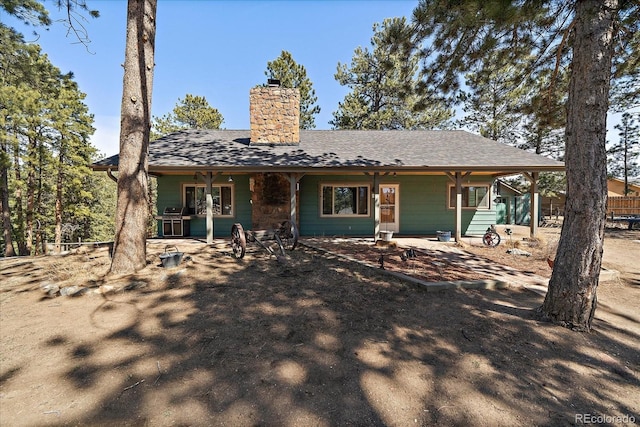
(535, 203)
(209, 199)
(293, 187)
(458, 229)
(376, 206)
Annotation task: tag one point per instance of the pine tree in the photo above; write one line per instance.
(72, 161)
(493, 103)
(293, 75)
(623, 156)
(130, 243)
(45, 148)
(192, 112)
(382, 82)
(540, 38)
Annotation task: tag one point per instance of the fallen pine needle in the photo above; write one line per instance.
(135, 385)
(159, 373)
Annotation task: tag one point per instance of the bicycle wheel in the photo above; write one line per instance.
(238, 241)
(491, 238)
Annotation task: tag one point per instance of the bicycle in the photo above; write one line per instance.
(491, 237)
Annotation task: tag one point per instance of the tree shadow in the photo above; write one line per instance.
(312, 341)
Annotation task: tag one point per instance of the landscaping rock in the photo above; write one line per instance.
(50, 290)
(70, 291)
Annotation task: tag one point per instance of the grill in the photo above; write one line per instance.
(175, 222)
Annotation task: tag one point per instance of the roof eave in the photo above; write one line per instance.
(494, 169)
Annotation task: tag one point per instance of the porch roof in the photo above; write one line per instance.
(340, 150)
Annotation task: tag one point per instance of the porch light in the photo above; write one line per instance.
(230, 178)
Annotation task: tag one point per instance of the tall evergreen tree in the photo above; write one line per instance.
(454, 37)
(192, 112)
(130, 243)
(29, 97)
(623, 156)
(73, 158)
(382, 82)
(45, 148)
(28, 11)
(493, 103)
(293, 75)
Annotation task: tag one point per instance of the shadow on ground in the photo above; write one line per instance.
(309, 341)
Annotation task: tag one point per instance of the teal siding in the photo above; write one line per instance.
(501, 213)
(423, 208)
(523, 209)
(170, 194)
(423, 205)
(478, 221)
(312, 224)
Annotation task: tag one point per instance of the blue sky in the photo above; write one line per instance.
(219, 50)
(215, 49)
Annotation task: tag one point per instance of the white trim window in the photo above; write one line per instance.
(474, 196)
(344, 200)
(194, 197)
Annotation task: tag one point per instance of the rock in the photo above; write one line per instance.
(107, 289)
(50, 290)
(70, 291)
(135, 285)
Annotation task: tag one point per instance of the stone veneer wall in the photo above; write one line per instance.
(270, 200)
(275, 115)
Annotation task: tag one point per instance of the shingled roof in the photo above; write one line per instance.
(343, 150)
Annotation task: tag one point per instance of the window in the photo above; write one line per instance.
(196, 202)
(472, 196)
(339, 200)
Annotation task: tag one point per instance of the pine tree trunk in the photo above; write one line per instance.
(571, 299)
(31, 189)
(129, 251)
(58, 205)
(4, 202)
(22, 247)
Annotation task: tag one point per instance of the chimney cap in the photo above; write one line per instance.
(273, 82)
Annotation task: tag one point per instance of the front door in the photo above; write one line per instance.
(389, 205)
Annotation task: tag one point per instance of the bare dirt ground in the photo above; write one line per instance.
(313, 340)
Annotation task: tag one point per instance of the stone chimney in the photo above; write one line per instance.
(275, 114)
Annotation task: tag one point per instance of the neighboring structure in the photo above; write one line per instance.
(621, 207)
(615, 188)
(333, 182)
(512, 205)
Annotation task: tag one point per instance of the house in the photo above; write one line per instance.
(330, 182)
(615, 188)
